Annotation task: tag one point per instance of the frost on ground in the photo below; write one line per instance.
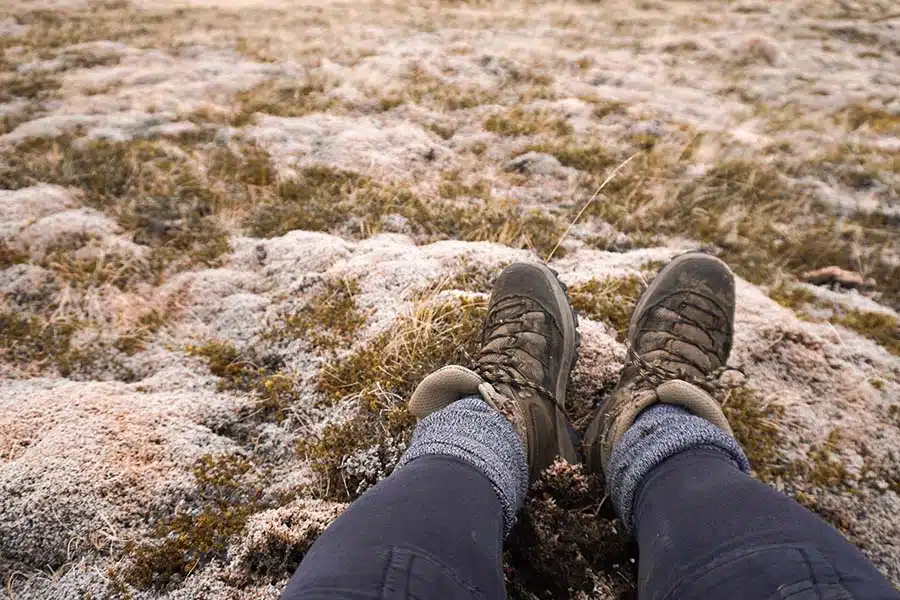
(235, 235)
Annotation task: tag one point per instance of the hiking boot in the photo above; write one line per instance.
(529, 346)
(679, 339)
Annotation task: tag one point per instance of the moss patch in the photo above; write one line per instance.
(518, 121)
(756, 427)
(153, 189)
(281, 99)
(226, 497)
(33, 344)
(263, 377)
(325, 199)
(590, 158)
(379, 377)
(330, 319)
(871, 117)
(609, 301)
(878, 327)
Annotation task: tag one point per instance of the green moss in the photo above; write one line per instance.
(152, 189)
(452, 187)
(590, 158)
(33, 86)
(518, 122)
(248, 164)
(263, 377)
(381, 376)
(873, 118)
(32, 343)
(317, 200)
(330, 319)
(755, 425)
(794, 298)
(182, 542)
(609, 301)
(443, 131)
(281, 99)
(326, 199)
(879, 327)
(87, 273)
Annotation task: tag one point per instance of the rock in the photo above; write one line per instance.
(836, 276)
(534, 163)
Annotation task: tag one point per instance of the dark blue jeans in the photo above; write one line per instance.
(705, 530)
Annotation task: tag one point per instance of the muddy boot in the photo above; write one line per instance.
(679, 339)
(529, 346)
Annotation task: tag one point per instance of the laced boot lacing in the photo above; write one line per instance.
(500, 368)
(653, 374)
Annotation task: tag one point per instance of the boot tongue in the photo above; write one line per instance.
(695, 400)
(442, 388)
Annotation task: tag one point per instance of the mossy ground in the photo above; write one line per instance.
(331, 318)
(227, 494)
(327, 199)
(609, 301)
(379, 377)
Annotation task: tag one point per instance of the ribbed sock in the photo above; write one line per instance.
(472, 431)
(660, 432)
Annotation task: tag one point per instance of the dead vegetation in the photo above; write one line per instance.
(377, 379)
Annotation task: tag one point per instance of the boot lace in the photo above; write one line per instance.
(653, 374)
(498, 366)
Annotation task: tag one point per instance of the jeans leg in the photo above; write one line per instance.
(706, 530)
(432, 530)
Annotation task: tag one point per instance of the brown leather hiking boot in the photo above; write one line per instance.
(529, 346)
(679, 339)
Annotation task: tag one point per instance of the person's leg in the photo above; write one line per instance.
(435, 527)
(679, 479)
(706, 529)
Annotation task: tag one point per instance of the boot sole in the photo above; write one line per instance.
(567, 438)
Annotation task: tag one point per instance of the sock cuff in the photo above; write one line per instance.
(660, 432)
(472, 431)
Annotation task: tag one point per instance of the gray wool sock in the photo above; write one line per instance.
(660, 432)
(474, 432)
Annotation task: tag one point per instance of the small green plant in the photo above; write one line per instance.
(330, 319)
(179, 544)
(607, 300)
(792, 297)
(878, 327)
(244, 371)
(518, 121)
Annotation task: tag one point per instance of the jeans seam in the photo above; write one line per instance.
(415, 553)
(721, 562)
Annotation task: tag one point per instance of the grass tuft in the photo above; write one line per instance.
(609, 301)
(379, 377)
(518, 122)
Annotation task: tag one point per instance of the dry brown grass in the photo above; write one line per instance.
(378, 378)
(518, 121)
